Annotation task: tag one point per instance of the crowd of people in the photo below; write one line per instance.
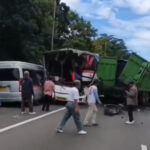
(72, 106)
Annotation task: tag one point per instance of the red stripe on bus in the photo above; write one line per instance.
(37, 87)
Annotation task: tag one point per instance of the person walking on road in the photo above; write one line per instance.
(27, 93)
(132, 101)
(92, 99)
(49, 94)
(72, 109)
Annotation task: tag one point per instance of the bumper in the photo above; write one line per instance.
(10, 97)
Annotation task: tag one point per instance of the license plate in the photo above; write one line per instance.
(4, 89)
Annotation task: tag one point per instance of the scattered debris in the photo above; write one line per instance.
(111, 109)
(15, 116)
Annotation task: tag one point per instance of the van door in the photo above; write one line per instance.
(38, 79)
(9, 79)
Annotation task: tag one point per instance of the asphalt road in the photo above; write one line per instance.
(111, 134)
(11, 114)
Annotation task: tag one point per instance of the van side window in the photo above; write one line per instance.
(37, 76)
(9, 74)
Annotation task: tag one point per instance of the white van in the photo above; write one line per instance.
(11, 73)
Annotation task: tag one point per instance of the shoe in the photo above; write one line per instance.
(23, 112)
(95, 124)
(60, 131)
(130, 122)
(87, 125)
(32, 113)
(82, 132)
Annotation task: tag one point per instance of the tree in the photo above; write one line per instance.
(20, 30)
(108, 45)
(79, 33)
(26, 27)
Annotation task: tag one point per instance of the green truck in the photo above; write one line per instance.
(116, 74)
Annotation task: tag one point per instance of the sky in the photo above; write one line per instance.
(125, 19)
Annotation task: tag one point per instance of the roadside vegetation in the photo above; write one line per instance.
(26, 31)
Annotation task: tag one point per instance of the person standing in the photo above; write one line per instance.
(72, 109)
(93, 98)
(49, 94)
(27, 93)
(132, 101)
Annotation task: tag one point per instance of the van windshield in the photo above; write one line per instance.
(9, 74)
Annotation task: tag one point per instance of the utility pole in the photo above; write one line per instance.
(105, 48)
(53, 27)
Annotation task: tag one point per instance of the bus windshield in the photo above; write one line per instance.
(70, 64)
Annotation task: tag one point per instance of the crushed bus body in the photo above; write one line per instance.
(67, 65)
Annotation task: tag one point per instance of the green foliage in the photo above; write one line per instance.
(20, 30)
(111, 47)
(80, 33)
(73, 31)
(26, 27)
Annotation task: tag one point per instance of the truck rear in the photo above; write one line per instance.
(137, 70)
(109, 70)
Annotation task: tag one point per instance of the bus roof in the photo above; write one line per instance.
(79, 52)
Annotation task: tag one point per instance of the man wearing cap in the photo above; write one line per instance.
(27, 93)
(72, 109)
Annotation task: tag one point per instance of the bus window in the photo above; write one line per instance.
(8, 74)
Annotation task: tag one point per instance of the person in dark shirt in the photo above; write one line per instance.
(27, 93)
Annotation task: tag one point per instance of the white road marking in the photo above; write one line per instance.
(143, 147)
(30, 120)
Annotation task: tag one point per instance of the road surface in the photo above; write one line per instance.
(40, 134)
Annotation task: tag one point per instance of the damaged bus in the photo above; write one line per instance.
(67, 65)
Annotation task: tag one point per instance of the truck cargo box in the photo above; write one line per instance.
(137, 70)
(107, 71)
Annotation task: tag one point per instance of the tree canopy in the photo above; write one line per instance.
(26, 31)
(109, 46)
(26, 28)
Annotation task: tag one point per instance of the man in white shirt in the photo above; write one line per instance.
(93, 98)
(72, 109)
